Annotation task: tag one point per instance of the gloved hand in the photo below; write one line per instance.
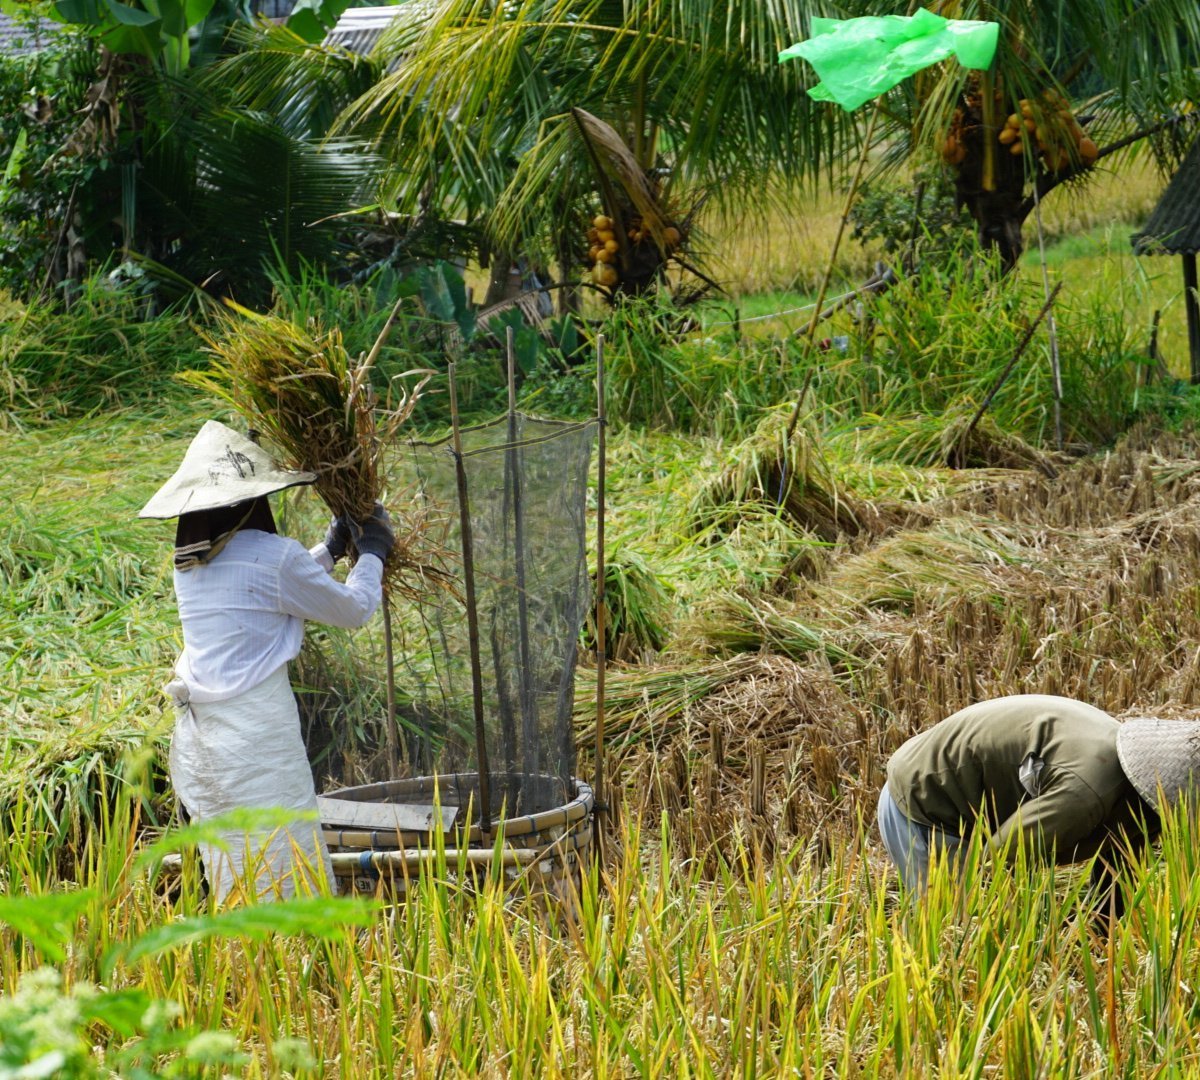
(337, 537)
(373, 535)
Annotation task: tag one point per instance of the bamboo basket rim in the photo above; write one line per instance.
(373, 862)
(569, 814)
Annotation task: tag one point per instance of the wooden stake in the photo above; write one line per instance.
(525, 693)
(464, 513)
(837, 240)
(598, 784)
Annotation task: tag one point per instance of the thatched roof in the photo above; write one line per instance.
(1174, 225)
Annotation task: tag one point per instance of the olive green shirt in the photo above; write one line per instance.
(1045, 766)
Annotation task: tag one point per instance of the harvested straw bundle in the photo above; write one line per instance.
(299, 387)
(781, 464)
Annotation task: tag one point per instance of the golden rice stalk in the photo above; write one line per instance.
(299, 388)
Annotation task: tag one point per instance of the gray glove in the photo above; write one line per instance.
(338, 537)
(373, 535)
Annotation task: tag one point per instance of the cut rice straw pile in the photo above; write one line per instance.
(299, 387)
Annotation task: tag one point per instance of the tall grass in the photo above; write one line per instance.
(803, 964)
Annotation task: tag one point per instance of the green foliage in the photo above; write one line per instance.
(313, 19)
(935, 345)
(556, 387)
(40, 96)
(49, 1028)
(659, 374)
(161, 31)
(224, 194)
(918, 220)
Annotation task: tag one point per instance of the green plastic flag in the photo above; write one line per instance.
(859, 59)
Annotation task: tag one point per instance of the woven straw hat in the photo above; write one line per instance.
(1160, 755)
(221, 467)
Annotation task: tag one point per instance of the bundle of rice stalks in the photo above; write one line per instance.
(935, 441)
(960, 557)
(299, 388)
(966, 444)
(736, 623)
(781, 464)
(637, 609)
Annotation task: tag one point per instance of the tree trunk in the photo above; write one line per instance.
(504, 280)
(1000, 212)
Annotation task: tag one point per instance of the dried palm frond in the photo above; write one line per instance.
(299, 387)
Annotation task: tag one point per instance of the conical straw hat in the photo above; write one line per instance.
(1160, 755)
(221, 467)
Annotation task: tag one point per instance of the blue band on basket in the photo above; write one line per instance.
(366, 866)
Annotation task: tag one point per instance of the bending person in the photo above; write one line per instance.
(243, 593)
(1069, 778)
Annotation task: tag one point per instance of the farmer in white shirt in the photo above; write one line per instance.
(244, 593)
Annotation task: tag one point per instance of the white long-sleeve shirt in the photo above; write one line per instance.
(243, 613)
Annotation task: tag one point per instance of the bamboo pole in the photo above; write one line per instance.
(391, 735)
(464, 512)
(1051, 326)
(598, 785)
(837, 240)
(529, 732)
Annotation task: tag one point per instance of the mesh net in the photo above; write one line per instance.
(526, 489)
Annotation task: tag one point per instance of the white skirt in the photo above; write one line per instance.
(247, 752)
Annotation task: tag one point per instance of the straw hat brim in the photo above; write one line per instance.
(221, 467)
(1161, 758)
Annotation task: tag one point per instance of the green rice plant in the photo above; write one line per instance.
(937, 343)
(777, 963)
(637, 607)
(658, 376)
(103, 351)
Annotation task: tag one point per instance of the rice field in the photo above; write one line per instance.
(787, 610)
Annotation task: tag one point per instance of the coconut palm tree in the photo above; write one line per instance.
(589, 132)
(1072, 84)
(534, 117)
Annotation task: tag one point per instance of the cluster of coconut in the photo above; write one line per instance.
(605, 248)
(603, 251)
(1052, 127)
(1046, 127)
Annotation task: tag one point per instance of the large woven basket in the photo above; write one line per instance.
(544, 850)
